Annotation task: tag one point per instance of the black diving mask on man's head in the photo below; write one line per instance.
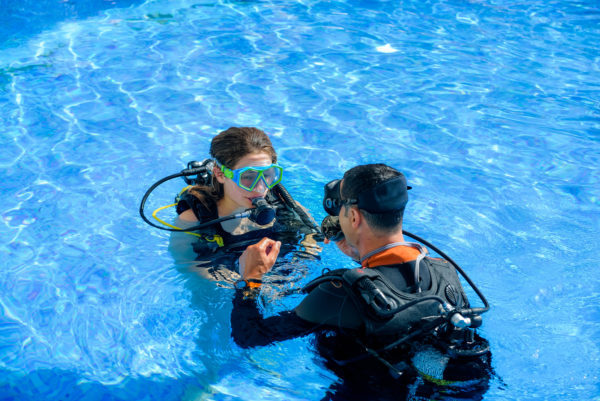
(384, 197)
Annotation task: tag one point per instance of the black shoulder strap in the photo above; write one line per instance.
(332, 275)
(330, 303)
(351, 276)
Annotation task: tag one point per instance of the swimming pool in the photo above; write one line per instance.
(491, 108)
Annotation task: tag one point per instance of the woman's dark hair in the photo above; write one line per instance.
(362, 178)
(227, 148)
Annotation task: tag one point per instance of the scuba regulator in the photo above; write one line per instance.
(202, 170)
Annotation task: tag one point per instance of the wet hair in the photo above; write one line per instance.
(227, 148)
(236, 142)
(362, 178)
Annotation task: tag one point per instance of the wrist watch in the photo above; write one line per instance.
(246, 284)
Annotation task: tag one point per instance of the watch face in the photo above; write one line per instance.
(240, 284)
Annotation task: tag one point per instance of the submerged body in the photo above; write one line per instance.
(349, 333)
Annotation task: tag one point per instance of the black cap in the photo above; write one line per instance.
(387, 196)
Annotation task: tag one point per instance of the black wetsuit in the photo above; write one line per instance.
(342, 339)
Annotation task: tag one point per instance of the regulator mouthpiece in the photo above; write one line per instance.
(262, 213)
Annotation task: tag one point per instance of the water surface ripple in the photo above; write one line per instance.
(491, 108)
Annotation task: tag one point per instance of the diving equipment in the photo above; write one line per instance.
(201, 173)
(248, 177)
(203, 170)
(390, 316)
(330, 226)
(262, 213)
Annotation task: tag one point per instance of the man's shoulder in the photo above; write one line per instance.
(329, 303)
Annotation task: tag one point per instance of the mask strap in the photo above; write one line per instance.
(227, 172)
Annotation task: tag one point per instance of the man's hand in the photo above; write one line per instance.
(259, 258)
(346, 248)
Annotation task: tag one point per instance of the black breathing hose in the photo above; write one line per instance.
(299, 211)
(260, 214)
(472, 311)
(147, 195)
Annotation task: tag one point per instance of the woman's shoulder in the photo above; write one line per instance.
(188, 215)
(189, 205)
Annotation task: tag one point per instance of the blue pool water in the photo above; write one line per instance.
(491, 108)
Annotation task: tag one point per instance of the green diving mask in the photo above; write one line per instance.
(248, 177)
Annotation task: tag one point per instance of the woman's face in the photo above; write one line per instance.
(236, 197)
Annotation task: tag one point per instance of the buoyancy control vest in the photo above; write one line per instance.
(378, 307)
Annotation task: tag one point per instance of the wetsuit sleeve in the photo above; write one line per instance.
(330, 305)
(250, 329)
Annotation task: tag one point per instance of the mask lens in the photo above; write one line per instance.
(248, 179)
(272, 176)
(331, 201)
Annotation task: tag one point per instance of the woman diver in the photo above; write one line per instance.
(242, 175)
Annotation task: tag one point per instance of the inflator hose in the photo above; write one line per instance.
(472, 311)
(299, 211)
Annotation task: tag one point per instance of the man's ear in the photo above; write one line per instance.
(219, 175)
(355, 217)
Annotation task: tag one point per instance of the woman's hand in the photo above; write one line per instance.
(259, 258)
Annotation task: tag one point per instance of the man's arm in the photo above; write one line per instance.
(248, 327)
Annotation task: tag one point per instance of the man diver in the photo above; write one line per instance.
(401, 317)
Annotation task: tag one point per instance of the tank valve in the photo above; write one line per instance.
(460, 321)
